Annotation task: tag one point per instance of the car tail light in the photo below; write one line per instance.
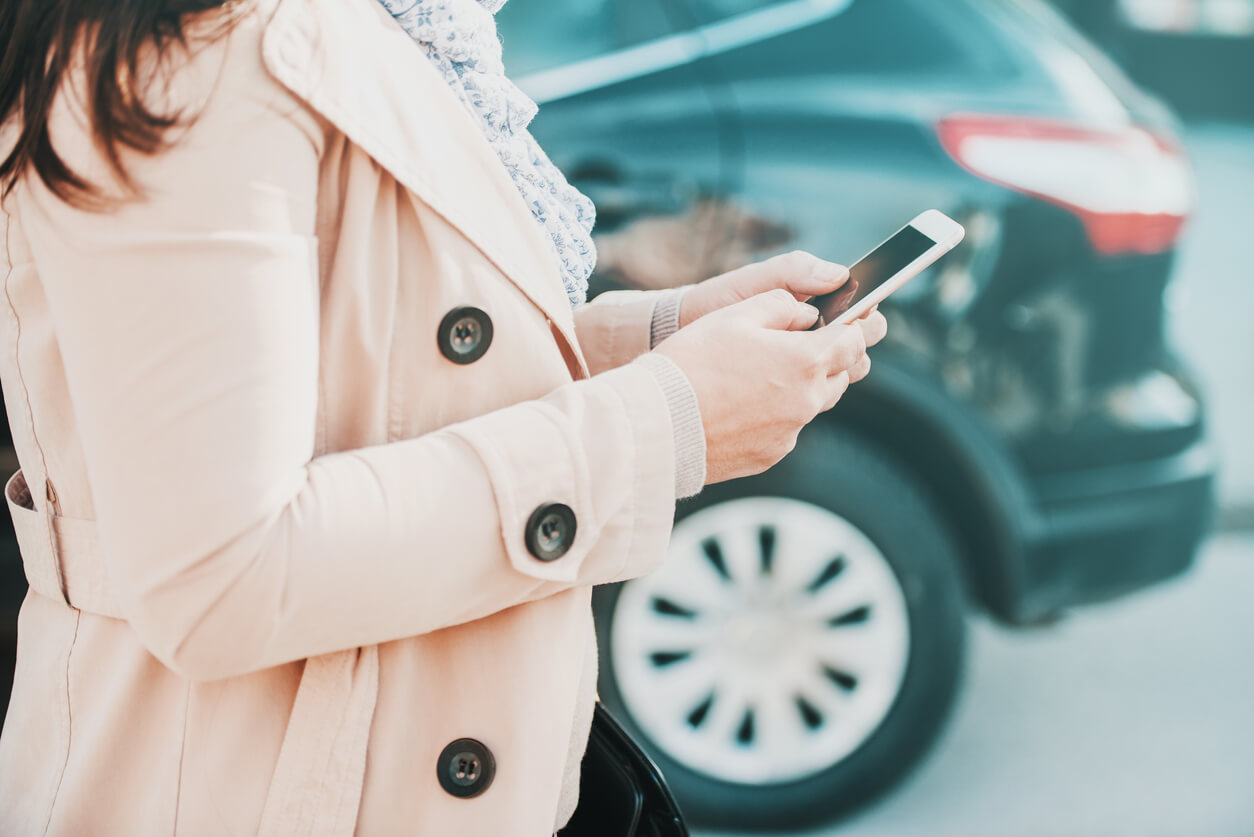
(1133, 190)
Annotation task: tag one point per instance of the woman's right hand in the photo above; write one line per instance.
(760, 376)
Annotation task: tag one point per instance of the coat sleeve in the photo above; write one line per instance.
(615, 328)
(188, 327)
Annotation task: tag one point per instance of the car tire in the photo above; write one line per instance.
(835, 479)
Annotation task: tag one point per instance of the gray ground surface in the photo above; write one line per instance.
(1134, 719)
(1213, 299)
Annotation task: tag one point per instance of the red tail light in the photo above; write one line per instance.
(1132, 190)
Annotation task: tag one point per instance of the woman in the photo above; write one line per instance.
(319, 462)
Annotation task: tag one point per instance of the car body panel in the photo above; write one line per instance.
(1025, 361)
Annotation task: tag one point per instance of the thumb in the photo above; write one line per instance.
(777, 309)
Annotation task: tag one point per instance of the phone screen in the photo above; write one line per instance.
(873, 270)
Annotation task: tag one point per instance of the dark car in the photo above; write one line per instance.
(1027, 441)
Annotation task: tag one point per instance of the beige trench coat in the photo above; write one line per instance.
(277, 541)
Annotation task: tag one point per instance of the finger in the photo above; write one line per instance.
(802, 274)
(836, 387)
(776, 309)
(822, 278)
(839, 346)
(860, 369)
(874, 327)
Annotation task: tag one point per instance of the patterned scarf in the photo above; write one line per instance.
(460, 38)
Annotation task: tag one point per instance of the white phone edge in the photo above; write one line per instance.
(944, 231)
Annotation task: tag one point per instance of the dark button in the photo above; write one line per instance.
(550, 531)
(465, 768)
(465, 334)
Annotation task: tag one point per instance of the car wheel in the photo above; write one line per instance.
(800, 648)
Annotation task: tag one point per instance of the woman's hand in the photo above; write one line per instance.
(760, 377)
(800, 273)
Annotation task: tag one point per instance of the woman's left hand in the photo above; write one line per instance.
(802, 274)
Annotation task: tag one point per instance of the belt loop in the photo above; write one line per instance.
(35, 533)
(45, 508)
(52, 497)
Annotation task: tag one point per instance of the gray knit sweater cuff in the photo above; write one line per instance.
(666, 314)
(689, 432)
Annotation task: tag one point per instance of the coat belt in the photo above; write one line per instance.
(317, 782)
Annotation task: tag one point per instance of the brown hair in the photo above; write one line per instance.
(110, 35)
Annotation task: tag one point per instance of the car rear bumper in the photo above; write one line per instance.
(1102, 532)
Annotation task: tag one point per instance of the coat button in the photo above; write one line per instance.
(550, 531)
(465, 334)
(466, 768)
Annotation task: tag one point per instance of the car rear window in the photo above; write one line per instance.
(1077, 69)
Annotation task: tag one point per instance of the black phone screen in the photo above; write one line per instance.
(872, 271)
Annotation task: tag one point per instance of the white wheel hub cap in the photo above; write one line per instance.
(768, 647)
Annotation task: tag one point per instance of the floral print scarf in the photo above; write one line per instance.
(460, 38)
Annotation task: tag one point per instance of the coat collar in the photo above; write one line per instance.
(351, 62)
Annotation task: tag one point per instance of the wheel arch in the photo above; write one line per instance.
(963, 468)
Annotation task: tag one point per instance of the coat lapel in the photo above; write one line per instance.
(352, 63)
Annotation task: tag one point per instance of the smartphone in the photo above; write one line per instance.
(902, 257)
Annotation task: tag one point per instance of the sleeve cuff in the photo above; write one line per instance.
(686, 425)
(666, 314)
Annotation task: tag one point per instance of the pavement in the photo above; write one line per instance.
(1130, 719)
(1133, 718)
(1211, 301)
